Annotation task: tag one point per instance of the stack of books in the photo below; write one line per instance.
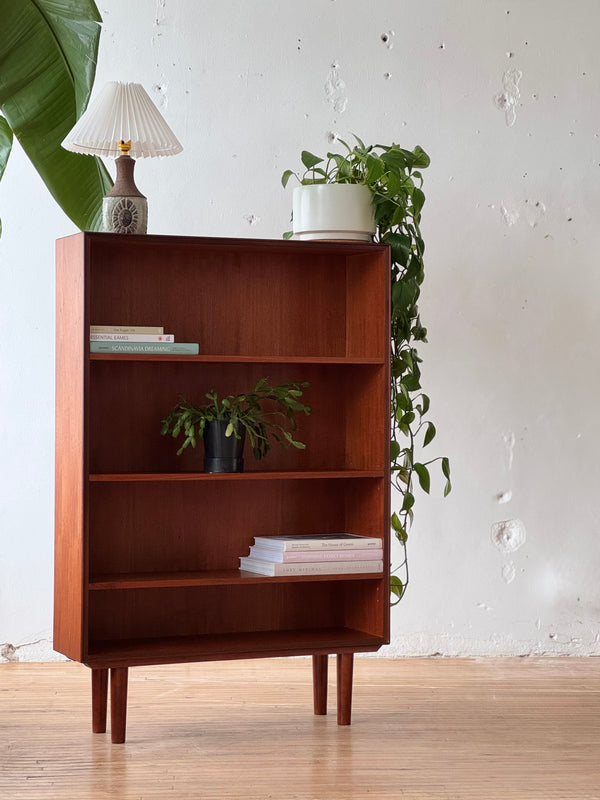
(137, 339)
(307, 554)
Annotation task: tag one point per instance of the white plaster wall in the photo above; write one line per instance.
(510, 299)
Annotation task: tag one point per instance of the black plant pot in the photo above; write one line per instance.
(223, 453)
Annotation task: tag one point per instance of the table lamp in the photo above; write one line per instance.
(123, 123)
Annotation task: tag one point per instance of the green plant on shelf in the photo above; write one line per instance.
(243, 412)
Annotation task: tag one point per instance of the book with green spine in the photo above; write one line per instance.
(173, 348)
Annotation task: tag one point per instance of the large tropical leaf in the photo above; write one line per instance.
(6, 139)
(48, 52)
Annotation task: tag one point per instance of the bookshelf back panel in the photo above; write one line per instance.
(198, 611)
(268, 299)
(208, 525)
(128, 400)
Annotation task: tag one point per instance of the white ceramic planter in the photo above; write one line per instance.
(333, 211)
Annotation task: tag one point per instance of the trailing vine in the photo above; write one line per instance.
(394, 177)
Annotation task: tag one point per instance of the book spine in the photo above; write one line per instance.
(316, 544)
(310, 568)
(154, 329)
(132, 337)
(181, 348)
(299, 556)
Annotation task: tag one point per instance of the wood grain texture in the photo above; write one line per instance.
(422, 729)
(320, 673)
(70, 538)
(99, 699)
(345, 670)
(118, 703)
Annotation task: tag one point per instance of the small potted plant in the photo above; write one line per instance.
(224, 423)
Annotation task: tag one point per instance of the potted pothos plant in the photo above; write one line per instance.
(223, 423)
(394, 179)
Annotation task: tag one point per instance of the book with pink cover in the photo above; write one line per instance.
(296, 556)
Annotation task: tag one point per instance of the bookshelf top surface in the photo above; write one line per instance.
(320, 246)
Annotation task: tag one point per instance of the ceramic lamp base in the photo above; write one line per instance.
(124, 214)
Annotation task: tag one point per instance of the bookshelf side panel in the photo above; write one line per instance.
(70, 486)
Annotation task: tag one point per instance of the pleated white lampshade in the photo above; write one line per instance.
(122, 112)
(124, 123)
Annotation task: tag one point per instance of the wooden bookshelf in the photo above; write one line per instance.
(147, 544)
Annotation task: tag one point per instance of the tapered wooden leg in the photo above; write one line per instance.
(320, 664)
(345, 666)
(118, 704)
(99, 699)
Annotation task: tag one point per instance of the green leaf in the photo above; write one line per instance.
(446, 473)
(424, 477)
(403, 294)
(48, 52)
(395, 522)
(401, 397)
(343, 166)
(400, 244)
(429, 434)
(398, 528)
(396, 587)
(421, 160)
(286, 176)
(310, 160)
(411, 382)
(394, 159)
(423, 408)
(6, 140)
(375, 168)
(401, 473)
(409, 501)
(418, 200)
(394, 450)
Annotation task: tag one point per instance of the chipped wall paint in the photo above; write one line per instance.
(503, 98)
(508, 99)
(508, 535)
(335, 89)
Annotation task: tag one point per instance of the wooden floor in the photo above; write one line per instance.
(421, 728)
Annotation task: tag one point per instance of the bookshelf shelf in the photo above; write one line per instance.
(168, 650)
(155, 477)
(224, 359)
(209, 578)
(147, 545)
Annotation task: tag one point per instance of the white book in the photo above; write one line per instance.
(132, 337)
(271, 568)
(324, 541)
(156, 329)
(296, 556)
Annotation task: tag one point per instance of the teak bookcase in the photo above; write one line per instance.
(147, 544)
